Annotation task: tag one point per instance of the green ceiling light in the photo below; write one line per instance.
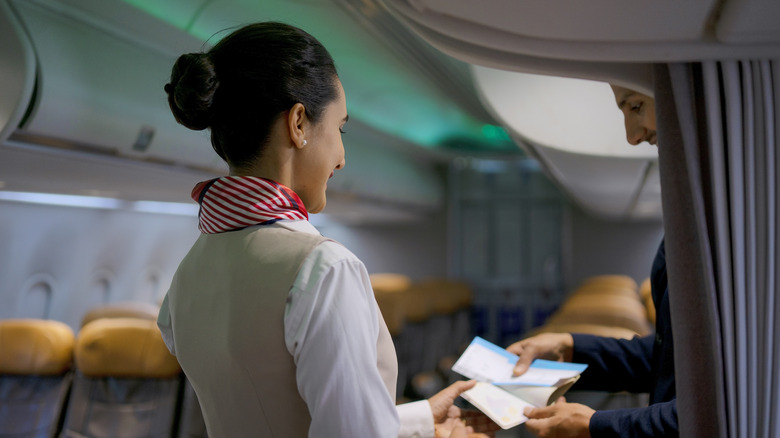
(382, 91)
(175, 13)
(495, 133)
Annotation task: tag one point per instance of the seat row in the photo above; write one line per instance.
(606, 305)
(115, 378)
(429, 320)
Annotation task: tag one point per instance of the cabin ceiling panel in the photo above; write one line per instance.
(605, 186)
(384, 89)
(749, 21)
(522, 35)
(573, 21)
(648, 202)
(17, 70)
(101, 85)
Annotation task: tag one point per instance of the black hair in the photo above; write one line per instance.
(240, 86)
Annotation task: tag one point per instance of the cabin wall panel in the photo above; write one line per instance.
(417, 249)
(599, 246)
(86, 256)
(58, 262)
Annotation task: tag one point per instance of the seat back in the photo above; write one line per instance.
(191, 422)
(35, 376)
(125, 309)
(127, 382)
(646, 292)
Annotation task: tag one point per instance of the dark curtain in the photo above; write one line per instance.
(718, 127)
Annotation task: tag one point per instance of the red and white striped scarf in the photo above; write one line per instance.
(232, 203)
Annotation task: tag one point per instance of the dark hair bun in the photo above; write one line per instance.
(191, 90)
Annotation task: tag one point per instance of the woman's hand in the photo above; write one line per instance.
(455, 428)
(442, 403)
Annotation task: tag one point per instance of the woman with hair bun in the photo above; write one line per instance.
(275, 326)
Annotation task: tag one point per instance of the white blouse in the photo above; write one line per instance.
(332, 305)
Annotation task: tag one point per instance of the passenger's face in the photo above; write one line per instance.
(639, 114)
(322, 154)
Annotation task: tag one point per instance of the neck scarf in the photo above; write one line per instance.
(232, 203)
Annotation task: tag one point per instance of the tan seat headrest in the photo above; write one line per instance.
(646, 288)
(590, 329)
(611, 280)
(458, 292)
(389, 282)
(127, 309)
(35, 347)
(392, 308)
(416, 303)
(124, 347)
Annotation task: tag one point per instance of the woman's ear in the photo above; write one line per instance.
(296, 124)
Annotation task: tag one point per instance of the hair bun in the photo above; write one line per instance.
(191, 90)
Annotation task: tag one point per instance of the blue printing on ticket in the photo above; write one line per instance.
(511, 358)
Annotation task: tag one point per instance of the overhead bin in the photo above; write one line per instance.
(17, 71)
(102, 92)
(100, 68)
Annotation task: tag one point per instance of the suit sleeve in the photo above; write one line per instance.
(659, 419)
(614, 364)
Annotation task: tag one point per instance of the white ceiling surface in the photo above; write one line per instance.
(574, 128)
(606, 30)
(607, 40)
(574, 115)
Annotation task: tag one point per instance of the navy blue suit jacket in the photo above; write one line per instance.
(636, 365)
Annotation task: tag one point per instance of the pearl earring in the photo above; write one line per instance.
(304, 142)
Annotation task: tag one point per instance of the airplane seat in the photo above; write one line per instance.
(646, 293)
(127, 383)
(589, 329)
(426, 384)
(611, 280)
(389, 281)
(455, 302)
(36, 359)
(392, 308)
(125, 309)
(191, 422)
(606, 289)
(606, 310)
(438, 336)
(461, 329)
(412, 340)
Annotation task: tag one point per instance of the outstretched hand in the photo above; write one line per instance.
(550, 346)
(455, 428)
(442, 403)
(560, 420)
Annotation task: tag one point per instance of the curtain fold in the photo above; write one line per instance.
(718, 128)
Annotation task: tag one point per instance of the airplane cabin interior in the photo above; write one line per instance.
(489, 189)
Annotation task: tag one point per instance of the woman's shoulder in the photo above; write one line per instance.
(331, 252)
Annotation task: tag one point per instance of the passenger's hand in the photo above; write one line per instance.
(480, 422)
(441, 403)
(454, 428)
(550, 346)
(561, 419)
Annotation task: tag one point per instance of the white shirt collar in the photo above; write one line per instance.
(297, 225)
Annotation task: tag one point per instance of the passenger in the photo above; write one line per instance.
(638, 365)
(275, 326)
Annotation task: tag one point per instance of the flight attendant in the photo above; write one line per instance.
(276, 326)
(643, 364)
